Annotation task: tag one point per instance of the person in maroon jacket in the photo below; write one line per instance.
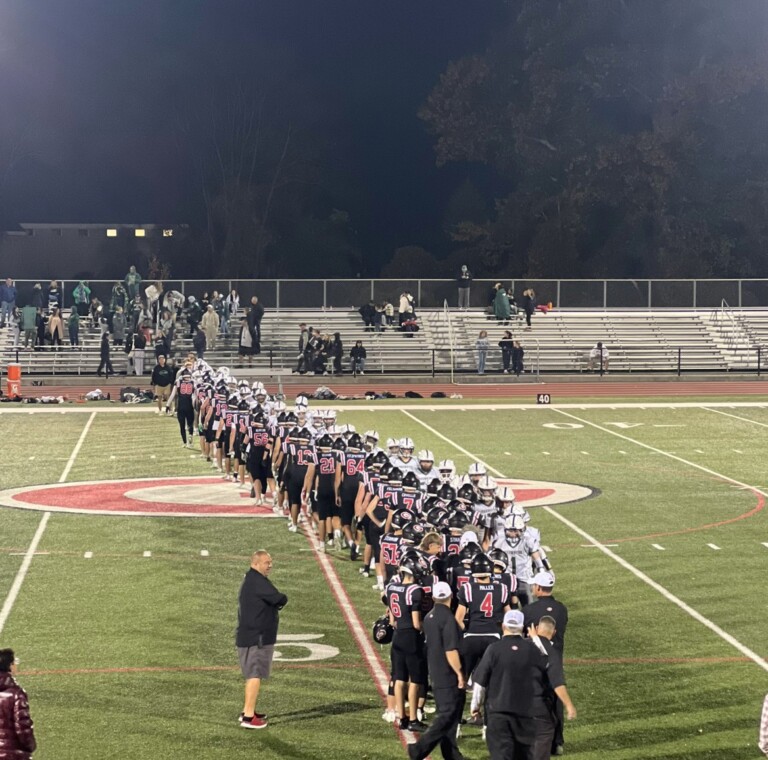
(17, 737)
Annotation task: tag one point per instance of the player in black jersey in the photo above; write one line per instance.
(325, 495)
(349, 475)
(258, 452)
(480, 611)
(404, 600)
(392, 541)
(300, 474)
(184, 394)
(503, 574)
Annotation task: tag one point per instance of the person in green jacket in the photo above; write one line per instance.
(501, 305)
(73, 326)
(132, 283)
(81, 297)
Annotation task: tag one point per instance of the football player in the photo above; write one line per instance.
(258, 451)
(524, 553)
(391, 542)
(447, 470)
(349, 475)
(404, 601)
(184, 394)
(426, 472)
(371, 441)
(404, 460)
(325, 493)
(301, 473)
(502, 574)
(393, 447)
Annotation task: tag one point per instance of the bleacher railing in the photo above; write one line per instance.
(432, 293)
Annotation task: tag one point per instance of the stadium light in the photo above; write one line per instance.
(140, 233)
(111, 232)
(167, 233)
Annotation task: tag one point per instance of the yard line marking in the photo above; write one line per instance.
(31, 459)
(378, 672)
(659, 547)
(13, 594)
(765, 544)
(734, 416)
(88, 555)
(204, 552)
(547, 549)
(22, 554)
(508, 454)
(738, 451)
(595, 546)
(19, 579)
(714, 547)
(698, 451)
(622, 452)
(585, 452)
(716, 629)
(665, 426)
(147, 554)
(546, 453)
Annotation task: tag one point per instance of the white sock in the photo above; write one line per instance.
(337, 534)
(380, 580)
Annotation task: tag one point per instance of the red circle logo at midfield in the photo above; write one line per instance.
(210, 497)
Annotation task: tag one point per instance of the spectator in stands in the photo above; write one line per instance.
(14, 325)
(168, 326)
(73, 327)
(410, 325)
(162, 347)
(162, 380)
(29, 323)
(217, 300)
(119, 297)
(118, 326)
(106, 359)
(321, 356)
(368, 311)
(173, 300)
(389, 313)
(246, 341)
(506, 344)
(255, 315)
(405, 309)
(482, 345)
(501, 305)
(53, 296)
(7, 300)
(464, 281)
(56, 327)
(97, 311)
(139, 343)
(598, 357)
(37, 300)
(378, 317)
(357, 356)
(194, 315)
(529, 306)
(301, 359)
(204, 301)
(231, 307)
(199, 343)
(336, 352)
(81, 297)
(42, 324)
(132, 283)
(517, 358)
(16, 729)
(210, 324)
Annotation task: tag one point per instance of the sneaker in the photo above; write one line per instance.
(253, 492)
(388, 716)
(353, 552)
(417, 726)
(321, 547)
(458, 732)
(377, 587)
(559, 751)
(365, 572)
(402, 724)
(292, 528)
(263, 716)
(254, 722)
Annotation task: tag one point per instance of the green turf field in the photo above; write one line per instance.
(127, 656)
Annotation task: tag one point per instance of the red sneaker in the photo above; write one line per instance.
(254, 722)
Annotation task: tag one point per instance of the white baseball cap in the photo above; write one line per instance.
(514, 619)
(441, 591)
(544, 579)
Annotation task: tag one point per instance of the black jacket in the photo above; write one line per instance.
(162, 376)
(258, 611)
(199, 342)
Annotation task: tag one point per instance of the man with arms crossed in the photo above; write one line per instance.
(257, 621)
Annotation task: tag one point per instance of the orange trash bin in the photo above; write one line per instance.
(13, 380)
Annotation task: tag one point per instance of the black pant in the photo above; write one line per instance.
(505, 357)
(510, 737)
(105, 363)
(442, 731)
(528, 315)
(186, 419)
(545, 732)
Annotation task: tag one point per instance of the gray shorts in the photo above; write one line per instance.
(256, 662)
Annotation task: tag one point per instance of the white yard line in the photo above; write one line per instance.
(659, 547)
(13, 594)
(756, 658)
(714, 547)
(709, 408)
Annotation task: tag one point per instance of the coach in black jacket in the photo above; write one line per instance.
(257, 621)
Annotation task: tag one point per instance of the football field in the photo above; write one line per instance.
(122, 608)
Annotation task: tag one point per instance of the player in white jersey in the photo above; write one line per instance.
(426, 471)
(404, 459)
(371, 442)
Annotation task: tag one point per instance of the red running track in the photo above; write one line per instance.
(511, 389)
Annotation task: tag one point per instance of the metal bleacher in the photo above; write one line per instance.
(659, 340)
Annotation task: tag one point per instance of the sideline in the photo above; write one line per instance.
(756, 658)
(13, 594)
(711, 408)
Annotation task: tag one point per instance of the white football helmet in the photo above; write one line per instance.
(487, 488)
(477, 470)
(447, 470)
(393, 446)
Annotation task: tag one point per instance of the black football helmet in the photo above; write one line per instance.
(435, 517)
(384, 471)
(499, 559)
(395, 475)
(324, 442)
(355, 442)
(458, 521)
(410, 481)
(467, 493)
(481, 565)
(302, 434)
(401, 518)
(382, 631)
(413, 532)
(468, 553)
(433, 487)
(446, 492)
(339, 445)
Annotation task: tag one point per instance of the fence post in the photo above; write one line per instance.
(679, 360)
(433, 361)
(758, 361)
(557, 296)
(372, 297)
(605, 294)
(325, 294)
(650, 298)
(694, 294)
(183, 289)
(418, 292)
(601, 361)
(270, 357)
(277, 294)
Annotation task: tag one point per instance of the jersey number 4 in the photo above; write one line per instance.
(487, 605)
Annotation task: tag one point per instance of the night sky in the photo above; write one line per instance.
(92, 90)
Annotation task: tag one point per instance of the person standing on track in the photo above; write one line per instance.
(162, 380)
(257, 621)
(184, 394)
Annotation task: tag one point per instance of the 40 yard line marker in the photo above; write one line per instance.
(13, 594)
(669, 596)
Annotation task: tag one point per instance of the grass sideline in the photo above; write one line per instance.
(642, 672)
